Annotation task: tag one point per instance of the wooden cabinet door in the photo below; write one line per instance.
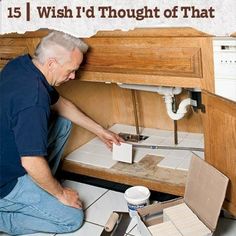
(165, 57)
(220, 141)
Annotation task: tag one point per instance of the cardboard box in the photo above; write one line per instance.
(195, 214)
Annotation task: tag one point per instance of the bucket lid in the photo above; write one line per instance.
(137, 195)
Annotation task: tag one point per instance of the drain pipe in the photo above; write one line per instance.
(168, 93)
(181, 110)
(157, 89)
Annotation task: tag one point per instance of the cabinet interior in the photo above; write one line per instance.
(109, 104)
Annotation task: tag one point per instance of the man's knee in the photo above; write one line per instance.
(77, 220)
(59, 127)
(65, 124)
(73, 221)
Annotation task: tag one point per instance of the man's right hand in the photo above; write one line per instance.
(70, 197)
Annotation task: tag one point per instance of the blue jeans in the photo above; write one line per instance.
(29, 209)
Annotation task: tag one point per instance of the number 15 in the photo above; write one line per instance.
(14, 12)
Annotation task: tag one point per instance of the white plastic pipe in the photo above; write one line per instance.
(157, 89)
(168, 93)
(181, 110)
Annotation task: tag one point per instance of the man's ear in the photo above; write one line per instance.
(51, 64)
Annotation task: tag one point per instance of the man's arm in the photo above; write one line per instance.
(68, 110)
(37, 167)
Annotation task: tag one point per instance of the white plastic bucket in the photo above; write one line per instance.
(136, 197)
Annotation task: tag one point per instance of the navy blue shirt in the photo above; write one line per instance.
(25, 99)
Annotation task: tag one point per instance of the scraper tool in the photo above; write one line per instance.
(117, 224)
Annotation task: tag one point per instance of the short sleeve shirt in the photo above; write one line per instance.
(25, 100)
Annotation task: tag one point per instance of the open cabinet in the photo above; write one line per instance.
(175, 57)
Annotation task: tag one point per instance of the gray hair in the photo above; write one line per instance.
(58, 45)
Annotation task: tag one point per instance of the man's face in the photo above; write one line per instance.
(65, 72)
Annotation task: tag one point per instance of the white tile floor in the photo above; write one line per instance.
(100, 202)
(95, 152)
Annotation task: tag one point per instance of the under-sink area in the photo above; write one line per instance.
(95, 153)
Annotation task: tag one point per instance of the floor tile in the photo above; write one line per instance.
(199, 154)
(169, 142)
(122, 128)
(182, 134)
(175, 158)
(87, 229)
(225, 227)
(88, 193)
(185, 164)
(194, 136)
(191, 143)
(172, 163)
(153, 140)
(138, 154)
(178, 154)
(132, 224)
(135, 231)
(201, 144)
(101, 210)
(99, 160)
(96, 149)
(157, 132)
(158, 152)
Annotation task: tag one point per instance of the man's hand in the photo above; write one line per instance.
(108, 137)
(37, 167)
(70, 198)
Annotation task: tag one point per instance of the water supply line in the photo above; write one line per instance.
(168, 94)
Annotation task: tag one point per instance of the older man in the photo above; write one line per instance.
(32, 140)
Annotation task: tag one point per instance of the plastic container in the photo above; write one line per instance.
(136, 197)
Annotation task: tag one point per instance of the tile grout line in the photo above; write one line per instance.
(197, 154)
(96, 200)
(94, 223)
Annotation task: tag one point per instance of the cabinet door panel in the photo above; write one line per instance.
(220, 141)
(145, 59)
(144, 56)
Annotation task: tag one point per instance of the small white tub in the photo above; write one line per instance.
(136, 197)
